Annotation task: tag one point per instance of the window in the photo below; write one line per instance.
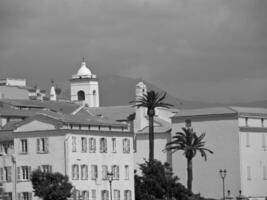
(45, 168)
(5, 174)
(92, 145)
(75, 172)
(126, 169)
(94, 172)
(8, 195)
(77, 194)
(104, 172)
(114, 145)
(103, 145)
(24, 196)
(247, 140)
(85, 195)
(116, 172)
(126, 146)
(127, 195)
(263, 140)
(74, 144)
(248, 172)
(93, 194)
(116, 195)
(4, 147)
(42, 145)
(84, 171)
(23, 146)
(104, 195)
(23, 173)
(81, 95)
(264, 173)
(84, 144)
(246, 121)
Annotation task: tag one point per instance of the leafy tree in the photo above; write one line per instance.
(188, 142)
(157, 182)
(51, 186)
(151, 100)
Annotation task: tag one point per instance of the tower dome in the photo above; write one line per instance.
(84, 71)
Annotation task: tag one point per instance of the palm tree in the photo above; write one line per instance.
(188, 142)
(151, 100)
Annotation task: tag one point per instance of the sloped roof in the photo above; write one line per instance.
(160, 126)
(64, 107)
(250, 110)
(113, 112)
(204, 111)
(8, 112)
(221, 111)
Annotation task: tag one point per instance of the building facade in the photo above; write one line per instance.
(237, 136)
(84, 149)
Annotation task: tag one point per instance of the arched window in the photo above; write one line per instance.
(81, 95)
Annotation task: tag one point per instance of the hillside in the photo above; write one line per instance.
(116, 90)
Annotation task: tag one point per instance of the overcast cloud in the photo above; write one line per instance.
(207, 50)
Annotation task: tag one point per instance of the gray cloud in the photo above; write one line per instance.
(182, 46)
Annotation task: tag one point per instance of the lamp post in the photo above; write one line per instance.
(110, 179)
(223, 175)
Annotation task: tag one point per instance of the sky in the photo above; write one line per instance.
(202, 50)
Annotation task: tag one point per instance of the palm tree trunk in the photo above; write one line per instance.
(189, 174)
(151, 138)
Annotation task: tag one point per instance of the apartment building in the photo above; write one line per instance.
(237, 136)
(83, 147)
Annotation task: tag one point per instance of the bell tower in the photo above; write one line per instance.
(84, 87)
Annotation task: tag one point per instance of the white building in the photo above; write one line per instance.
(79, 145)
(237, 136)
(84, 87)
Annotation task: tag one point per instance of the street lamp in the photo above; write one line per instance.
(110, 179)
(223, 175)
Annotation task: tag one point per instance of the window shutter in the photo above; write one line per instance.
(50, 168)
(30, 196)
(29, 172)
(18, 173)
(9, 175)
(2, 174)
(38, 145)
(46, 145)
(125, 195)
(118, 172)
(77, 171)
(73, 176)
(19, 196)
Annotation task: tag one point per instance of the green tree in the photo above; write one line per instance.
(188, 142)
(51, 186)
(151, 100)
(157, 182)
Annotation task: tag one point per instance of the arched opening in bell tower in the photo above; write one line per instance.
(81, 95)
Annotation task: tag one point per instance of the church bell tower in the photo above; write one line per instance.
(84, 87)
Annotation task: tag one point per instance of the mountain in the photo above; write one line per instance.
(117, 90)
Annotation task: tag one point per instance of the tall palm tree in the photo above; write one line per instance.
(188, 142)
(151, 100)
